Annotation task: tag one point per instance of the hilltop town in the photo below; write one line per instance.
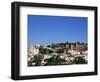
(58, 54)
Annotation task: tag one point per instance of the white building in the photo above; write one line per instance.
(74, 52)
(34, 50)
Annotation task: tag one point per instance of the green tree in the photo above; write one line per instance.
(60, 51)
(54, 60)
(43, 50)
(37, 60)
(79, 60)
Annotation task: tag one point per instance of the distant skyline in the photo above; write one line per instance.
(56, 29)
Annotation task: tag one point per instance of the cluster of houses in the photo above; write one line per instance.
(66, 51)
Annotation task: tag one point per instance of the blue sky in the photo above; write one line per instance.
(56, 29)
